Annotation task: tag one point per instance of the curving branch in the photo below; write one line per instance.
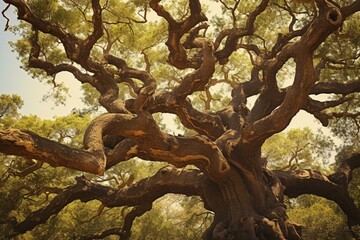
(233, 35)
(146, 92)
(140, 195)
(305, 77)
(176, 30)
(179, 151)
(197, 80)
(32, 168)
(36, 62)
(332, 187)
(316, 107)
(87, 44)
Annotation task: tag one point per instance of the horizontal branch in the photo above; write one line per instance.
(315, 108)
(336, 88)
(29, 145)
(142, 193)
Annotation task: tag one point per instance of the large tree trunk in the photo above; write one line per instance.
(249, 205)
(247, 199)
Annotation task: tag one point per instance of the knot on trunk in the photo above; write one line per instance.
(333, 16)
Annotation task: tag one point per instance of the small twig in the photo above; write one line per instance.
(7, 19)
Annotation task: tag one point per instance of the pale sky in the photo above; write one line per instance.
(14, 80)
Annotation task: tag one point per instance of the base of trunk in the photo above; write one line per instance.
(249, 205)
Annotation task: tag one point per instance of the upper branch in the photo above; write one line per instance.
(77, 50)
(305, 77)
(36, 62)
(97, 33)
(197, 80)
(69, 40)
(233, 35)
(177, 53)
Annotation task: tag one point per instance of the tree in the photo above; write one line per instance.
(280, 52)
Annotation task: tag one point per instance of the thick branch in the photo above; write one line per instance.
(179, 151)
(343, 174)
(332, 187)
(305, 78)
(351, 9)
(336, 88)
(312, 182)
(29, 145)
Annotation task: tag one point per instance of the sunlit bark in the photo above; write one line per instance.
(231, 177)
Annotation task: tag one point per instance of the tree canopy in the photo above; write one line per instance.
(232, 75)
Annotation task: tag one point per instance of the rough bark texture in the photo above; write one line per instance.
(232, 178)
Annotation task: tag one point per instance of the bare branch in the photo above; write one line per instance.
(7, 19)
(32, 168)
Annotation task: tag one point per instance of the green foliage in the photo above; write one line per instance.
(173, 217)
(298, 148)
(19, 196)
(321, 219)
(10, 105)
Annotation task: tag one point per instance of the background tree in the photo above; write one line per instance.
(205, 74)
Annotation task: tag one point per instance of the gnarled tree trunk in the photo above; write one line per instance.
(231, 176)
